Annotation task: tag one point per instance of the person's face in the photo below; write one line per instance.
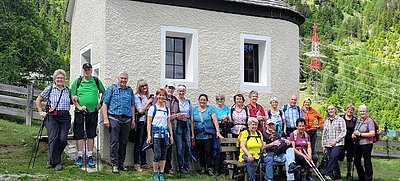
(239, 101)
(293, 100)
(170, 90)
(363, 113)
(123, 80)
(181, 92)
(307, 103)
(87, 72)
(203, 101)
(254, 98)
(331, 111)
(220, 101)
(349, 112)
(274, 104)
(271, 126)
(59, 80)
(301, 127)
(144, 88)
(253, 127)
(161, 97)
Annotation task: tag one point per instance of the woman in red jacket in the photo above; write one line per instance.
(310, 115)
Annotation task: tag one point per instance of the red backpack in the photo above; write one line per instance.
(377, 135)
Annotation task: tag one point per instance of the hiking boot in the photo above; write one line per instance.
(90, 162)
(183, 170)
(210, 172)
(162, 176)
(293, 167)
(79, 161)
(156, 176)
(122, 168)
(145, 166)
(171, 172)
(48, 165)
(58, 167)
(137, 167)
(115, 169)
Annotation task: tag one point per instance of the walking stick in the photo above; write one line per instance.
(98, 157)
(85, 139)
(39, 136)
(315, 169)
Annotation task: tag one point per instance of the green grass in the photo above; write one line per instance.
(17, 142)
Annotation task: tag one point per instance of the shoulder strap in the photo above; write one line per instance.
(48, 95)
(281, 114)
(97, 82)
(269, 113)
(59, 98)
(298, 109)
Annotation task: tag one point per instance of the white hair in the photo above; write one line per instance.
(363, 106)
(124, 72)
(252, 120)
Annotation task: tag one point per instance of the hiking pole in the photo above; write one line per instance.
(387, 140)
(98, 157)
(85, 140)
(315, 169)
(39, 136)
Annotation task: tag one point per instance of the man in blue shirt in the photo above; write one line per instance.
(118, 111)
(292, 113)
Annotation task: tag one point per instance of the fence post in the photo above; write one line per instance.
(29, 105)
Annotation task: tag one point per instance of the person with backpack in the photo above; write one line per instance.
(58, 119)
(292, 113)
(302, 148)
(118, 114)
(348, 148)
(143, 101)
(364, 133)
(204, 128)
(277, 116)
(86, 91)
(256, 110)
(251, 142)
(278, 149)
(159, 131)
(183, 142)
(332, 142)
(239, 115)
(310, 115)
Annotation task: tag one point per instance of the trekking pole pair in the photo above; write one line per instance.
(314, 168)
(39, 136)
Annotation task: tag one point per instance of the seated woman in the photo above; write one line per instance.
(302, 147)
(251, 142)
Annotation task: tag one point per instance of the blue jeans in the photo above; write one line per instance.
(251, 168)
(287, 157)
(183, 146)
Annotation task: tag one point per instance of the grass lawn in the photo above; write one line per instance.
(17, 143)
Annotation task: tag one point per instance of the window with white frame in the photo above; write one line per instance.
(86, 57)
(255, 63)
(179, 56)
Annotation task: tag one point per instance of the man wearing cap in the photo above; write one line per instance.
(279, 150)
(85, 92)
(172, 104)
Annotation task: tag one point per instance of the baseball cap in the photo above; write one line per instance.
(86, 65)
(170, 84)
(269, 121)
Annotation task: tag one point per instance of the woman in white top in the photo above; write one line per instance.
(159, 131)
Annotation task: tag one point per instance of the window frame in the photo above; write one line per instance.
(174, 65)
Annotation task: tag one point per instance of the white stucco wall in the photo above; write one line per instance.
(126, 36)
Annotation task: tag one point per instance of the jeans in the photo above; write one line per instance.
(57, 130)
(119, 132)
(251, 168)
(138, 154)
(332, 163)
(365, 152)
(313, 140)
(287, 157)
(183, 146)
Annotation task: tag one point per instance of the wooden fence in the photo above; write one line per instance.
(28, 102)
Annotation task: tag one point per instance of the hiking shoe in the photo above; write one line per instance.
(162, 176)
(171, 172)
(210, 172)
(79, 161)
(90, 162)
(145, 166)
(293, 167)
(202, 171)
(156, 176)
(183, 170)
(58, 167)
(115, 169)
(48, 165)
(137, 167)
(122, 168)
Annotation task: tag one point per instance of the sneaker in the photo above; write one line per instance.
(171, 172)
(115, 169)
(145, 166)
(90, 162)
(122, 168)
(156, 176)
(202, 171)
(79, 161)
(162, 176)
(183, 170)
(293, 167)
(58, 167)
(210, 172)
(137, 167)
(48, 165)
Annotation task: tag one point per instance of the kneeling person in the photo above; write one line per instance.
(278, 149)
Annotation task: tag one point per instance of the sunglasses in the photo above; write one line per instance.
(220, 99)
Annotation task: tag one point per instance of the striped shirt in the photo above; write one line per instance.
(64, 104)
(119, 100)
(334, 130)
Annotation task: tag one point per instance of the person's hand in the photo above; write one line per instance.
(98, 106)
(173, 116)
(219, 135)
(192, 136)
(171, 139)
(106, 123)
(148, 141)
(356, 133)
(43, 114)
(260, 118)
(333, 142)
(133, 125)
(306, 157)
(82, 108)
(250, 158)
(287, 141)
(277, 142)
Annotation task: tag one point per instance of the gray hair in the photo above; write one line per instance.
(222, 96)
(124, 72)
(252, 120)
(363, 106)
(253, 92)
(57, 72)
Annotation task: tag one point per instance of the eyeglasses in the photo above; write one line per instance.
(220, 99)
(144, 85)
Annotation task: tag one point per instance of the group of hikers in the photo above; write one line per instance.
(286, 134)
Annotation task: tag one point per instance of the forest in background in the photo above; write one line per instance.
(361, 42)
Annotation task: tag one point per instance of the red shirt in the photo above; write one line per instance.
(258, 110)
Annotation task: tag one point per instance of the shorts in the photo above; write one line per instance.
(91, 125)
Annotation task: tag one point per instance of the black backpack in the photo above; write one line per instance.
(80, 81)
